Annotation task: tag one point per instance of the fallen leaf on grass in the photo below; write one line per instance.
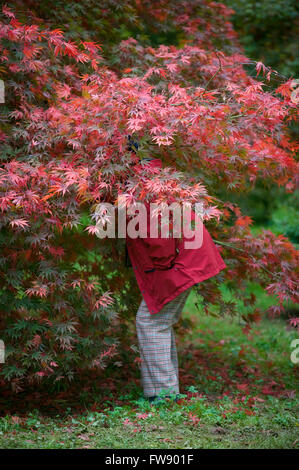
(84, 437)
(219, 430)
(295, 443)
(154, 427)
(16, 419)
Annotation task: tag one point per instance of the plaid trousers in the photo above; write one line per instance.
(158, 354)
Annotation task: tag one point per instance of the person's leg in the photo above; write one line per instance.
(174, 355)
(159, 366)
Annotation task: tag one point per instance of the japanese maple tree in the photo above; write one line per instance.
(69, 109)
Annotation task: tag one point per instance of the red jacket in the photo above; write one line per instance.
(164, 267)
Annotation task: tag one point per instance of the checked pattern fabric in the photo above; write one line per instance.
(157, 347)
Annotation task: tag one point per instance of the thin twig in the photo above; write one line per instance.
(244, 251)
(216, 73)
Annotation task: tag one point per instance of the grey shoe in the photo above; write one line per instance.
(156, 399)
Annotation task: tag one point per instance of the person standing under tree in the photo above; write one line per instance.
(165, 271)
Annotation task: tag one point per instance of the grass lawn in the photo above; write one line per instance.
(237, 391)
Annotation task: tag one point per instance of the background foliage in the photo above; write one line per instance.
(268, 31)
